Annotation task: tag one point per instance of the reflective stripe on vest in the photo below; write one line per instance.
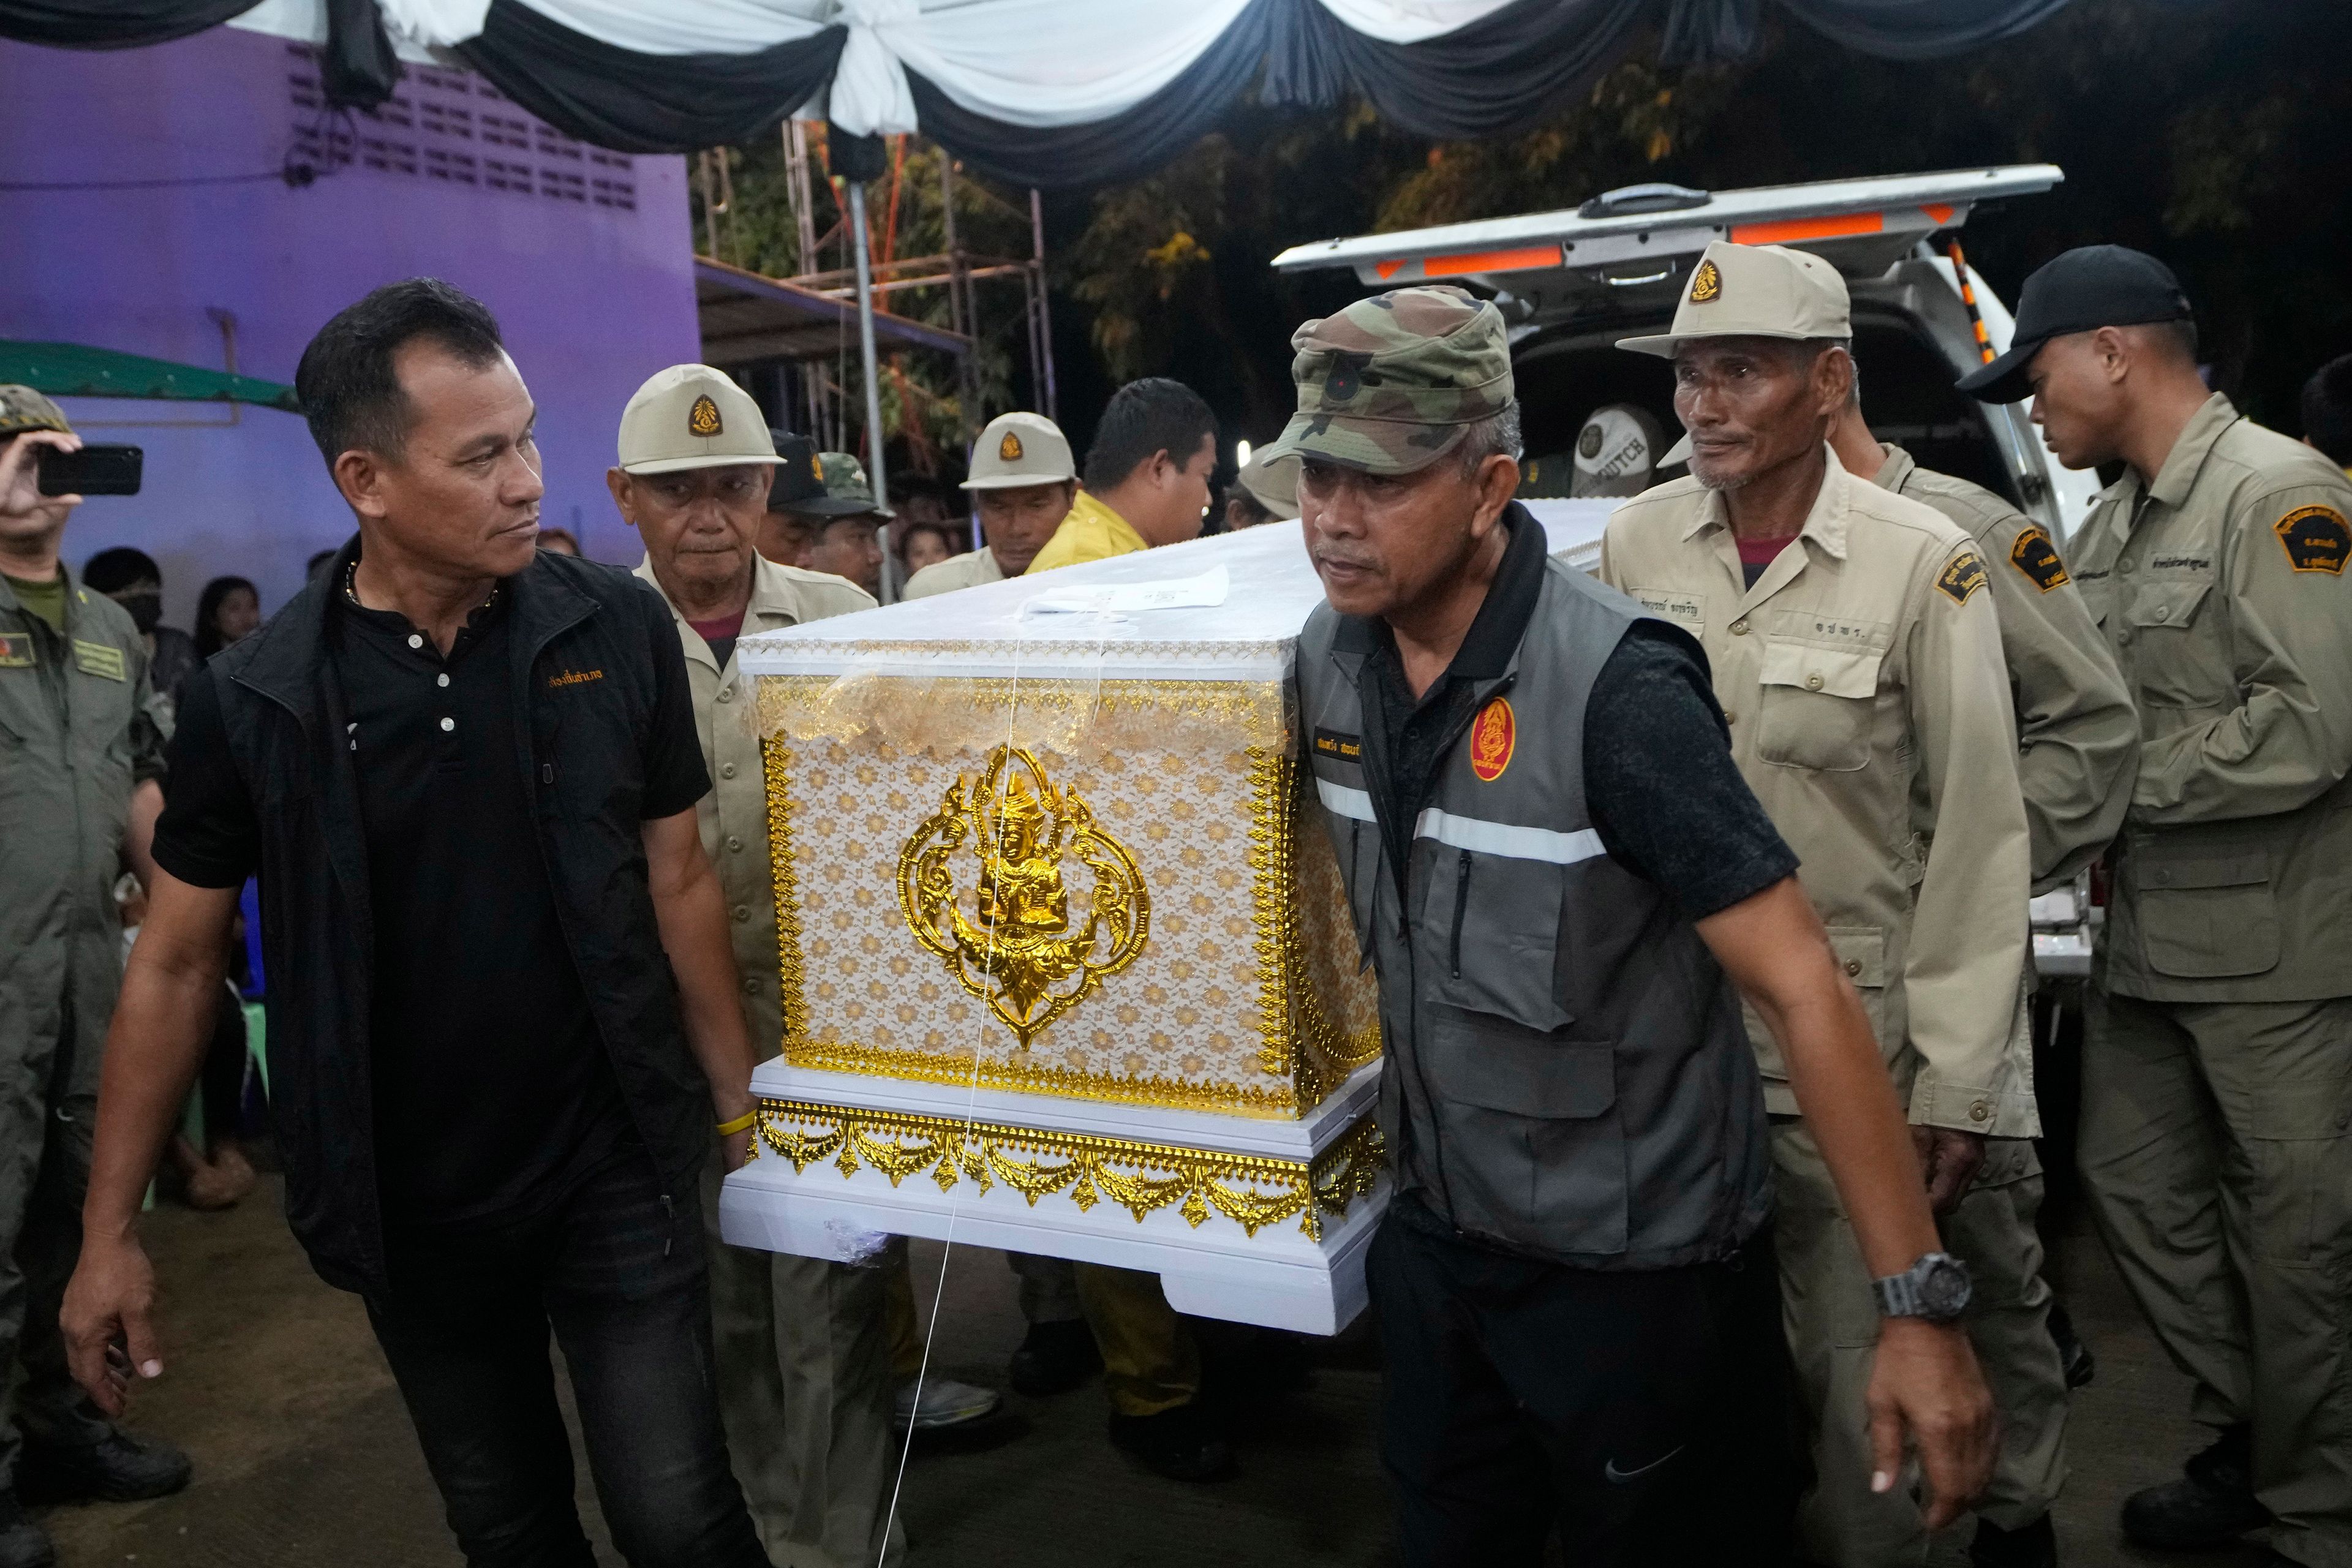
(1473, 833)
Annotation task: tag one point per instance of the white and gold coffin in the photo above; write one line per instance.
(1064, 967)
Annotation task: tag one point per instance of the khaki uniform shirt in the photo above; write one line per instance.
(1869, 709)
(2077, 736)
(966, 571)
(733, 816)
(78, 731)
(1092, 532)
(2222, 589)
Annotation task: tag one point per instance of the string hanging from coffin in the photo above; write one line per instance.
(1021, 954)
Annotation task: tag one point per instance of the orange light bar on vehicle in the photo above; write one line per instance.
(1462, 264)
(1797, 230)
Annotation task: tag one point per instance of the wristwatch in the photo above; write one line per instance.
(1936, 1288)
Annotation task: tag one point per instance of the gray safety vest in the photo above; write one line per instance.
(1567, 1073)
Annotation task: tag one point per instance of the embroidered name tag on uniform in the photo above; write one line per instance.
(1687, 610)
(100, 659)
(574, 678)
(1341, 748)
(1961, 576)
(15, 650)
(2038, 558)
(2314, 539)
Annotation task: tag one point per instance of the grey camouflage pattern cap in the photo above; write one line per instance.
(1392, 383)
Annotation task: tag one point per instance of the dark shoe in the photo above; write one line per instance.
(2211, 1505)
(1055, 1358)
(2075, 1358)
(1182, 1443)
(121, 1468)
(23, 1543)
(2033, 1545)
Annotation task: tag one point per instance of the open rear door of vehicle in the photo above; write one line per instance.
(1648, 233)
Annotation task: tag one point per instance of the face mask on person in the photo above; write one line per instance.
(146, 607)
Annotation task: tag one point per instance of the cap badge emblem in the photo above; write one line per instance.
(1707, 284)
(1009, 450)
(703, 419)
(816, 468)
(1023, 955)
(1347, 377)
(1494, 736)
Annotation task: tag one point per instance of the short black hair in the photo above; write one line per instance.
(111, 571)
(2327, 410)
(1154, 415)
(348, 389)
(2179, 335)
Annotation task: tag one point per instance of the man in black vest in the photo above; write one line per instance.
(503, 1006)
(1556, 867)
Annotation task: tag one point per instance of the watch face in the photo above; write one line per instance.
(1943, 1289)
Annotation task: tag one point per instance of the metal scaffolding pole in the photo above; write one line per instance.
(861, 250)
(1044, 311)
(960, 311)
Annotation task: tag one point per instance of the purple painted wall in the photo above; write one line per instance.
(586, 257)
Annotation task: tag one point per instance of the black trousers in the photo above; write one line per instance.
(620, 1275)
(1644, 1415)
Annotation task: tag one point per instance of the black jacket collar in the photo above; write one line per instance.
(288, 663)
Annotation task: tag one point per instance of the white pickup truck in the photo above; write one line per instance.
(1573, 282)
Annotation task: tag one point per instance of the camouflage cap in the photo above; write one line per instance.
(846, 493)
(1392, 383)
(22, 409)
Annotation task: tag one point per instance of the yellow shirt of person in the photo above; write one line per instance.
(1091, 532)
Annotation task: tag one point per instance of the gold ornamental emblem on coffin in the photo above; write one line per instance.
(1018, 951)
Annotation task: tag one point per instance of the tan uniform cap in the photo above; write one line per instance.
(1273, 483)
(1755, 291)
(1020, 449)
(692, 416)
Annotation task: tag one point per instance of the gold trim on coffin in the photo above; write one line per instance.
(1021, 948)
(1301, 1077)
(1251, 1191)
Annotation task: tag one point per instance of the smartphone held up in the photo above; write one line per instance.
(91, 471)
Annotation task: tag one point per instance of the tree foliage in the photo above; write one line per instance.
(2208, 132)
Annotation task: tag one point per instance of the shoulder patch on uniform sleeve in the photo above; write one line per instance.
(1962, 575)
(2038, 558)
(2314, 539)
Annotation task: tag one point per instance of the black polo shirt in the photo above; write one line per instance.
(1664, 795)
(493, 1090)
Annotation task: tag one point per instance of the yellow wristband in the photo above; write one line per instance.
(740, 1124)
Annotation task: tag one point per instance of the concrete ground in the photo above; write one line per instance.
(303, 1455)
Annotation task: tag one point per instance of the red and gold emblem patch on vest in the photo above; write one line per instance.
(1494, 735)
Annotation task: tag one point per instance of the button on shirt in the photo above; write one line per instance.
(493, 1091)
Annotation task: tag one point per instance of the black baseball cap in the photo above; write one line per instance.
(2090, 287)
(799, 478)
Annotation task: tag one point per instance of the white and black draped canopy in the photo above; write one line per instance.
(1042, 92)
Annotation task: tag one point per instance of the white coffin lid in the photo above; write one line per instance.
(984, 631)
